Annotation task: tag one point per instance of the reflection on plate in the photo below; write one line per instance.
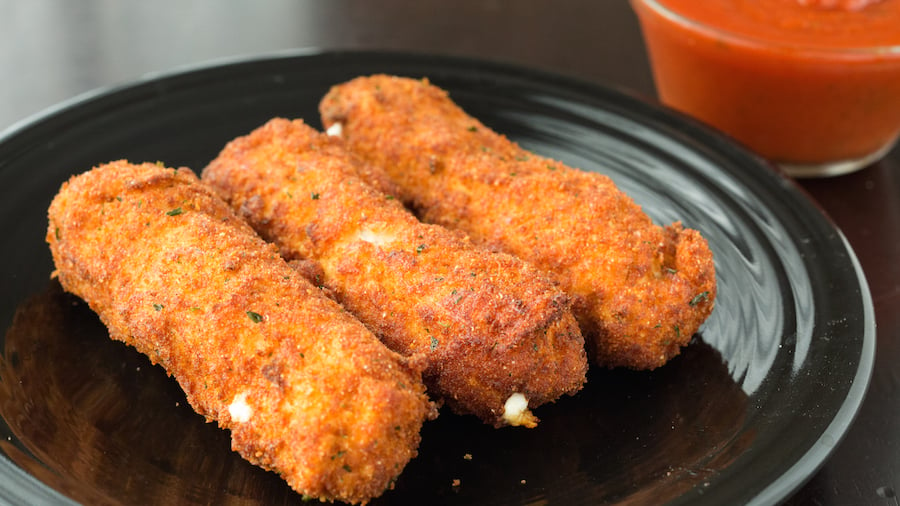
(746, 414)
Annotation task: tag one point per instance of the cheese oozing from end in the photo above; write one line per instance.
(515, 411)
(335, 130)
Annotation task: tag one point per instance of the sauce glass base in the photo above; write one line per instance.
(835, 168)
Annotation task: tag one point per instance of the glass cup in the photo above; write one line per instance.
(814, 109)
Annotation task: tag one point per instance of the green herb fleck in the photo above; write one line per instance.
(473, 128)
(434, 343)
(700, 297)
(158, 307)
(389, 197)
(174, 212)
(420, 248)
(255, 317)
(347, 468)
(677, 331)
(551, 167)
(314, 195)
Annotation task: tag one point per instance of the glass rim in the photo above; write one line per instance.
(747, 40)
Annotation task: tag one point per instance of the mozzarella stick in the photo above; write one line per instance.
(639, 290)
(498, 335)
(304, 388)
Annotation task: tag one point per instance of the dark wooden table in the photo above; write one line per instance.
(52, 50)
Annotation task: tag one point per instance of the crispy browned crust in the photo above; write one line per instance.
(640, 290)
(173, 272)
(489, 324)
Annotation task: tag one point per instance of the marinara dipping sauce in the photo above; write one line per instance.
(813, 85)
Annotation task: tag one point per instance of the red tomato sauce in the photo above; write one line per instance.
(805, 23)
(772, 73)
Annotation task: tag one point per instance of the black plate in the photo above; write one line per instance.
(746, 414)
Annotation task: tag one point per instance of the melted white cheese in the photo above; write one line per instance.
(515, 411)
(335, 130)
(376, 238)
(239, 410)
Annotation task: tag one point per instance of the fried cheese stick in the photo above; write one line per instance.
(498, 335)
(640, 290)
(305, 389)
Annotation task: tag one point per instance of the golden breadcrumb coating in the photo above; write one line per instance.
(490, 325)
(305, 389)
(640, 290)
